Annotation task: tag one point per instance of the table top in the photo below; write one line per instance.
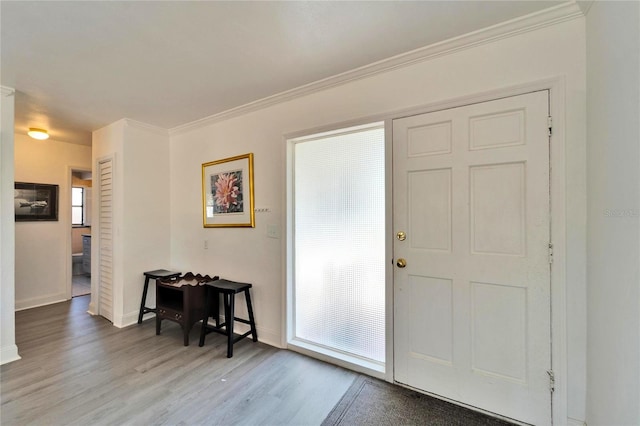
(161, 273)
(228, 286)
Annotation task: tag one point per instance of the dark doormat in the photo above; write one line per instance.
(373, 402)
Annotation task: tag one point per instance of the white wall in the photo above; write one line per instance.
(613, 76)
(8, 348)
(146, 212)
(141, 211)
(42, 248)
(248, 255)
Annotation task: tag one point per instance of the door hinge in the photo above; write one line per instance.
(550, 125)
(550, 253)
(552, 380)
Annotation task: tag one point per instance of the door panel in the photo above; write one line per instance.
(472, 306)
(434, 212)
(105, 235)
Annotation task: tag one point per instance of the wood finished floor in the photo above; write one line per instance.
(80, 370)
(80, 285)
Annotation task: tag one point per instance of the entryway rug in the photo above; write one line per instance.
(373, 402)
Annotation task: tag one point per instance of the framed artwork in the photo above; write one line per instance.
(227, 192)
(35, 202)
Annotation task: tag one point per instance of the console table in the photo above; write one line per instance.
(181, 300)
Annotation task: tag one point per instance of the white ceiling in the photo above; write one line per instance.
(80, 65)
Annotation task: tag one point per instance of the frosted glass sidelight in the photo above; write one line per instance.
(339, 243)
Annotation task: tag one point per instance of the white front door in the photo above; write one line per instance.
(472, 304)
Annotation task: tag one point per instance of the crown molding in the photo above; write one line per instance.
(7, 91)
(544, 18)
(147, 127)
(585, 5)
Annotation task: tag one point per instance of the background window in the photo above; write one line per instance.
(77, 206)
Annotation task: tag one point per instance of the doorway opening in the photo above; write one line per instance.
(81, 187)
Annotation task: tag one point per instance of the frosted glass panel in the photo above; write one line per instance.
(339, 214)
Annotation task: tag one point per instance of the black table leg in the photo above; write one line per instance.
(252, 323)
(229, 312)
(144, 299)
(216, 306)
(228, 291)
(185, 330)
(205, 319)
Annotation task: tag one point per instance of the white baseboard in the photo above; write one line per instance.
(131, 318)
(266, 336)
(575, 422)
(9, 354)
(40, 301)
(92, 308)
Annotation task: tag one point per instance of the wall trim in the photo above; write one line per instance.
(35, 302)
(575, 422)
(265, 336)
(7, 91)
(544, 18)
(9, 354)
(147, 127)
(585, 5)
(8, 348)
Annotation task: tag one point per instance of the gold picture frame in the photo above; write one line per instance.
(227, 193)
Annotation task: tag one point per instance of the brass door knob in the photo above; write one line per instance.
(401, 236)
(401, 263)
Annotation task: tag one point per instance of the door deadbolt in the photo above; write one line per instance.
(401, 263)
(401, 236)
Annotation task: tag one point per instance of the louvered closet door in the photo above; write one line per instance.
(105, 238)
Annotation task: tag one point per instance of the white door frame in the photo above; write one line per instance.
(557, 162)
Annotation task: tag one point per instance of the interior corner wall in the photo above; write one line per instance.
(8, 348)
(246, 254)
(613, 126)
(42, 247)
(141, 214)
(146, 223)
(107, 142)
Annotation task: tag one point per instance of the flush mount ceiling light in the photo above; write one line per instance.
(39, 134)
